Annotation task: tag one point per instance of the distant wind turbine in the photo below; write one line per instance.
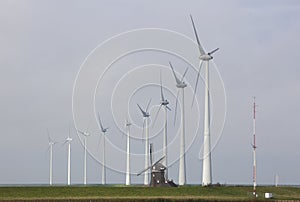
(127, 182)
(206, 57)
(146, 116)
(68, 141)
(164, 102)
(180, 84)
(85, 134)
(103, 130)
(51, 143)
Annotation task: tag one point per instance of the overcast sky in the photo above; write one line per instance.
(44, 44)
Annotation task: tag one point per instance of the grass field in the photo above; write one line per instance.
(134, 193)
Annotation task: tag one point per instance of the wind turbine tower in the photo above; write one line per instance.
(127, 182)
(254, 147)
(68, 141)
(164, 102)
(51, 143)
(205, 57)
(146, 116)
(85, 134)
(182, 166)
(103, 130)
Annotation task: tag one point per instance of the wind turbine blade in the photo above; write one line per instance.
(169, 108)
(176, 78)
(201, 50)
(156, 115)
(151, 155)
(211, 52)
(48, 149)
(143, 170)
(87, 129)
(159, 160)
(99, 120)
(161, 88)
(64, 143)
(148, 105)
(198, 75)
(143, 112)
(49, 139)
(81, 132)
(175, 116)
(69, 135)
(184, 74)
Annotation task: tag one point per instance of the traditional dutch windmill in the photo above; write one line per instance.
(157, 172)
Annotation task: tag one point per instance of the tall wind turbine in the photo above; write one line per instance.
(51, 143)
(68, 141)
(164, 102)
(85, 134)
(180, 84)
(206, 57)
(254, 147)
(127, 182)
(103, 130)
(146, 116)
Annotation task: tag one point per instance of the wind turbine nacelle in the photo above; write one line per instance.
(206, 57)
(165, 102)
(181, 85)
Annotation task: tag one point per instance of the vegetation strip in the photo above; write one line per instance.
(117, 193)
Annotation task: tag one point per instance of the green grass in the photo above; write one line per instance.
(133, 193)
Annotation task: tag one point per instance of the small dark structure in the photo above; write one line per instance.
(158, 173)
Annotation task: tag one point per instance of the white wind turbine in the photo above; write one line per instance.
(85, 134)
(206, 57)
(164, 102)
(127, 182)
(51, 143)
(68, 141)
(180, 84)
(103, 130)
(146, 116)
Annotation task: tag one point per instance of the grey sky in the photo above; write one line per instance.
(43, 44)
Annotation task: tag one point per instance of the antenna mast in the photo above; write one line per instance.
(254, 148)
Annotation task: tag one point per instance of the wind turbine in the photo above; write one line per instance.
(103, 130)
(127, 182)
(51, 143)
(164, 102)
(180, 84)
(85, 134)
(205, 57)
(146, 116)
(68, 141)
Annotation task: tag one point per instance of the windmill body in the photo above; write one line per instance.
(205, 57)
(254, 148)
(207, 171)
(68, 142)
(51, 144)
(104, 161)
(182, 164)
(164, 103)
(146, 116)
(51, 164)
(50, 147)
(104, 131)
(146, 176)
(165, 143)
(157, 172)
(127, 181)
(85, 134)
